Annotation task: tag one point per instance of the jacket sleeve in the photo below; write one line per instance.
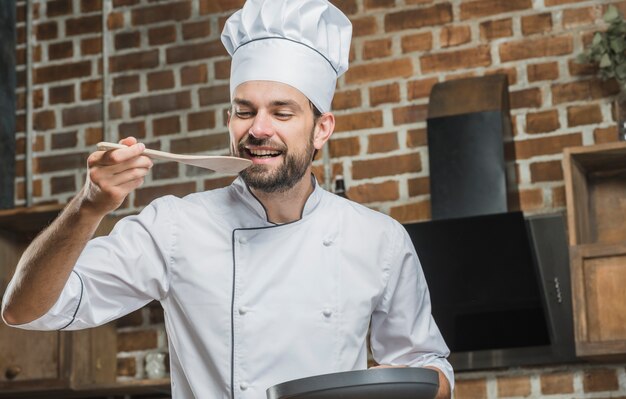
(118, 273)
(403, 331)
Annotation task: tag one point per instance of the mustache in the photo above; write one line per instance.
(256, 142)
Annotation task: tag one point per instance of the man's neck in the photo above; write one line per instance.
(287, 206)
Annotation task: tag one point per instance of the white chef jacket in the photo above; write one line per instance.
(248, 303)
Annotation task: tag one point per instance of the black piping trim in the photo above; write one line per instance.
(80, 299)
(232, 301)
(291, 40)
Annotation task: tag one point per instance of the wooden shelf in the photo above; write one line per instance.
(28, 220)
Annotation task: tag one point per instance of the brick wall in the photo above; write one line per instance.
(168, 85)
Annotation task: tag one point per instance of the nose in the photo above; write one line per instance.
(261, 126)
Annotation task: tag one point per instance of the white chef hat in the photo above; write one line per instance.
(303, 43)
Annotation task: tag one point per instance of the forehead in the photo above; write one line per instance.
(263, 92)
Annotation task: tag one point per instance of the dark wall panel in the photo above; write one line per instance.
(7, 103)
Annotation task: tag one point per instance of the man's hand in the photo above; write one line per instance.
(113, 175)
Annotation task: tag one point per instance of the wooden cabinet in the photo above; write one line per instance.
(595, 182)
(32, 361)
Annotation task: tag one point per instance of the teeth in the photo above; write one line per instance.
(260, 153)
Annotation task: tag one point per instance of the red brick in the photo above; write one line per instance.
(143, 196)
(166, 170)
(384, 94)
(83, 25)
(525, 149)
(346, 99)
(420, 88)
(372, 71)
(207, 142)
(160, 80)
(419, 186)
(389, 166)
(484, 8)
(166, 125)
(160, 103)
(490, 30)
(87, 6)
(357, 121)
(194, 30)
(200, 120)
(605, 135)
(543, 71)
(214, 95)
(115, 20)
(410, 114)
(414, 212)
(546, 171)
(374, 4)
(57, 163)
(578, 16)
(93, 135)
(470, 389)
(136, 340)
(455, 60)
(580, 69)
(583, 115)
(20, 189)
(44, 120)
(542, 122)
(529, 98)
(374, 192)
(454, 35)
(62, 184)
(538, 23)
(550, 3)
(82, 114)
(212, 184)
(416, 138)
(125, 84)
(364, 26)
(60, 50)
(378, 48)
(417, 42)
(63, 140)
(134, 129)
(598, 380)
(558, 197)
(115, 110)
(132, 61)
(347, 6)
(162, 35)
(197, 51)
(61, 94)
(383, 142)
(44, 31)
(513, 386)
(59, 7)
(344, 147)
(536, 48)
(127, 40)
(583, 90)
(91, 90)
(173, 11)
(91, 45)
(438, 14)
(530, 200)
(222, 69)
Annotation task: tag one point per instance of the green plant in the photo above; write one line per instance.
(608, 48)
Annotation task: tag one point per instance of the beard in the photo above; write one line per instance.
(283, 177)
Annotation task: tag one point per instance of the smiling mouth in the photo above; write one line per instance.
(256, 153)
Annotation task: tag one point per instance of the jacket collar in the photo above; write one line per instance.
(243, 192)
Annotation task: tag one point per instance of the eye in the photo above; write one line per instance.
(283, 115)
(243, 114)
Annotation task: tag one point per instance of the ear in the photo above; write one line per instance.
(323, 130)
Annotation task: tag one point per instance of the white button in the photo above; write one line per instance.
(327, 312)
(327, 243)
(242, 240)
(243, 386)
(243, 310)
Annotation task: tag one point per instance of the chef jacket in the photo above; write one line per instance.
(248, 303)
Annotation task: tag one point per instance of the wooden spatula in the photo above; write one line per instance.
(217, 163)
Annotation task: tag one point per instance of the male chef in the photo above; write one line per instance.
(267, 280)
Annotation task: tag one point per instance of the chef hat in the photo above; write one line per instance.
(303, 43)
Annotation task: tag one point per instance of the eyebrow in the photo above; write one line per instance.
(275, 103)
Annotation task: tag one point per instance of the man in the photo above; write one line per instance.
(267, 280)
